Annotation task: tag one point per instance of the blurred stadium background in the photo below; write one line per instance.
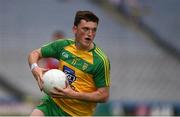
(141, 38)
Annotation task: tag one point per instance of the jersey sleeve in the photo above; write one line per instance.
(54, 48)
(102, 74)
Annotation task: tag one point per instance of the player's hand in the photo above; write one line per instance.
(67, 92)
(38, 73)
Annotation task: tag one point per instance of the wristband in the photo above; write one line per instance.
(33, 66)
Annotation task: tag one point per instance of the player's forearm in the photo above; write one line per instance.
(101, 95)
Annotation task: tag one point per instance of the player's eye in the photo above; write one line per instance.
(85, 29)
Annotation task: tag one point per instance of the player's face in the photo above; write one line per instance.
(84, 34)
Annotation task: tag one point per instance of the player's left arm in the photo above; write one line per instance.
(100, 95)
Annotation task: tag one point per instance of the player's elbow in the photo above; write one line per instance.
(35, 54)
(103, 94)
(104, 98)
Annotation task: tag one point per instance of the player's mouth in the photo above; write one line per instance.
(88, 39)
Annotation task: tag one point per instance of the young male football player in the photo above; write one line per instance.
(86, 66)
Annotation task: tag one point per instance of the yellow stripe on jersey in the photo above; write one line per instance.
(106, 65)
(86, 56)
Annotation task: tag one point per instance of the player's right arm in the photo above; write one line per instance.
(37, 71)
(49, 50)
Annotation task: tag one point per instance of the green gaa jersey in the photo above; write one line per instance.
(86, 71)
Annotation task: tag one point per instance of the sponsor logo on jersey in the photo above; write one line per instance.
(70, 74)
(65, 54)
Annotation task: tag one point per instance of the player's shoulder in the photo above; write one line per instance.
(100, 54)
(64, 42)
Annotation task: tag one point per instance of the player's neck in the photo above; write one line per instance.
(79, 47)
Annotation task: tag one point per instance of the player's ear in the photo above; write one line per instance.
(74, 29)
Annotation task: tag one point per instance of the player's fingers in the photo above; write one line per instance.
(58, 89)
(67, 84)
(40, 83)
(41, 78)
(45, 69)
(55, 93)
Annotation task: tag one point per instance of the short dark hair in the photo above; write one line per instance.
(85, 15)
